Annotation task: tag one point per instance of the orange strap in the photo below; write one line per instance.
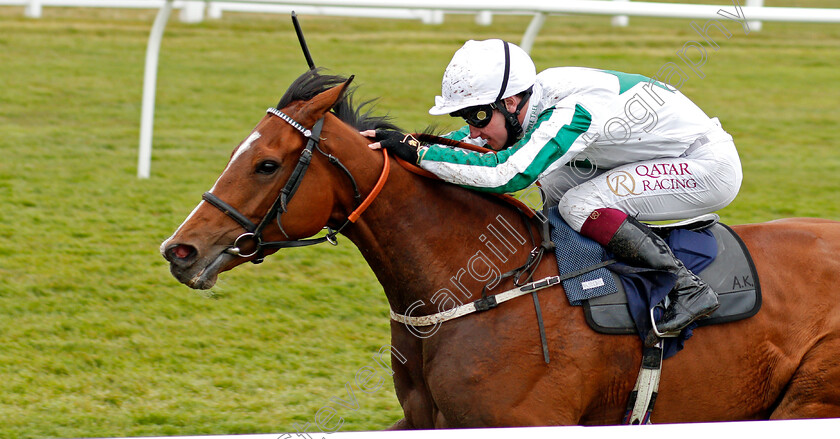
(386, 169)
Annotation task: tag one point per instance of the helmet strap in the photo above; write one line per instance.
(514, 128)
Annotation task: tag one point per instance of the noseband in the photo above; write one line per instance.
(253, 235)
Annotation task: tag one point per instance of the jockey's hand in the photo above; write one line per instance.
(401, 145)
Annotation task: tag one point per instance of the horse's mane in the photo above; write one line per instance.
(313, 82)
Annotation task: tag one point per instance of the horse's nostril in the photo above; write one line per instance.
(180, 252)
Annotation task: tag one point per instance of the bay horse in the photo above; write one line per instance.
(423, 239)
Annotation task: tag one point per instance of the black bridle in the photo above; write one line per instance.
(253, 235)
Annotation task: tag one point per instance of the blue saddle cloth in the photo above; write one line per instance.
(575, 252)
(645, 288)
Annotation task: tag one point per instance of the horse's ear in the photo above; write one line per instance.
(323, 102)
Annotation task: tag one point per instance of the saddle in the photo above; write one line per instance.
(724, 263)
(731, 275)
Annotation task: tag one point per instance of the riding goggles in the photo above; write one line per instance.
(478, 116)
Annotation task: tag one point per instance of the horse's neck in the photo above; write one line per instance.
(434, 242)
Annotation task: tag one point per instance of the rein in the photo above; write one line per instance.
(431, 138)
(253, 236)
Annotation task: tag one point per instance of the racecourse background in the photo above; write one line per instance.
(99, 340)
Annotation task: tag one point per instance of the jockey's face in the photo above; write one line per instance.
(495, 132)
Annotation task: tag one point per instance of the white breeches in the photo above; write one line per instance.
(704, 179)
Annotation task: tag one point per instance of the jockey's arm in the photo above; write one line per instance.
(554, 140)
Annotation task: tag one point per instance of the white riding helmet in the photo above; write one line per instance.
(476, 75)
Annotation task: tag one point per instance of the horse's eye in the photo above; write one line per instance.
(267, 167)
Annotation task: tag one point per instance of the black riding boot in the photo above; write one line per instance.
(691, 298)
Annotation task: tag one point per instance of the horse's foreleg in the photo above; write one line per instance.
(402, 424)
(814, 390)
(409, 382)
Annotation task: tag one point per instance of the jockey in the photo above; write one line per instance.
(608, 148)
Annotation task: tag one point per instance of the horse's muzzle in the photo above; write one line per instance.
(190, 269)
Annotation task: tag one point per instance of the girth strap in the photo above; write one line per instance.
(643, 397)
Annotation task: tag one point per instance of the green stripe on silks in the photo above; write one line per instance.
(626, 81)
(551, 151)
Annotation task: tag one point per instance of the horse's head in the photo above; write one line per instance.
(262, 202)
